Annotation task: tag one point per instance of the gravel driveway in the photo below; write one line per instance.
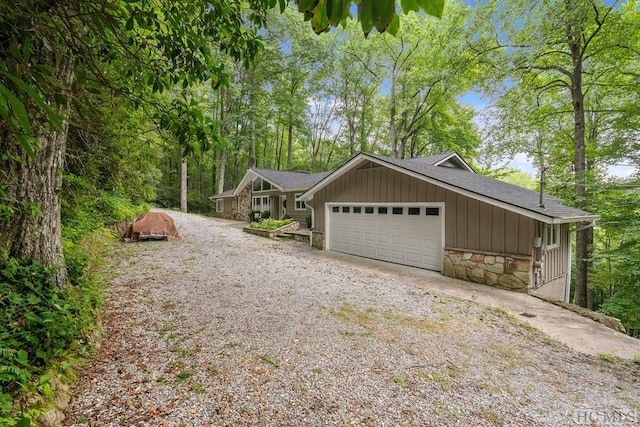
(227, 328)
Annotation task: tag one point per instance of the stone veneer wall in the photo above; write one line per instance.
(243, 204)
(502, 271)
(240, 206)
(317, 239)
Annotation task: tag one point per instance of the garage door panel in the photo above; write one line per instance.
(414, 240)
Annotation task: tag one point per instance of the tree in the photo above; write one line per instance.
(50, 50)
(560, 57)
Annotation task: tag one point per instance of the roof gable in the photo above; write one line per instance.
(466, 182)
(282, 180)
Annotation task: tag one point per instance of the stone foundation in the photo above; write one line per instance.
(502, 271)
(317, 239)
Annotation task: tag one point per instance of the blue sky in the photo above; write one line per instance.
(520, 161)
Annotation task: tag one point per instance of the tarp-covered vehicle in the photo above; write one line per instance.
(152, 226)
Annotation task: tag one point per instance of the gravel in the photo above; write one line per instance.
(227, 328)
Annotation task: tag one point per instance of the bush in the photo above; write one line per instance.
(40, 323)
(271, 224)
(265, 214)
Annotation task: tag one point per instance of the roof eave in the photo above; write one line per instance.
(248, 177)
(572, 219)
(349, 165)
(361, 157)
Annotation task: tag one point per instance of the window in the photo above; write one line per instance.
(345, 209)
(553, 235)
(382, 211)
(261, 203)
(335, 209)
(300, 204)
(414, 211)
(432, 211)
(398, 211)
(220, 205)
(368, 210)
(261, 185)
(357, 209)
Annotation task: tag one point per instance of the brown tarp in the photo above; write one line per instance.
(152, 226)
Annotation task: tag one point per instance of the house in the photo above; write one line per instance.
(437, 213)
(268, 190)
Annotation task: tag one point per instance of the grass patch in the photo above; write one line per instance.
(183, 376)
(270, 360)
(198, 388)
(607, 357)
(375, 321)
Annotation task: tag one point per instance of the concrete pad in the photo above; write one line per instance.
(577, 332)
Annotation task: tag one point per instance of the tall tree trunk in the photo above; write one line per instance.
(290, 140)
(33, 231)
(222, 171)
(183, 185)
(253, 161)
(584, 233)
(393, 132)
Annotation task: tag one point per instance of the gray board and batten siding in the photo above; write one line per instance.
(469, 223)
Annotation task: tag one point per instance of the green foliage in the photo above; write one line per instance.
(40, 323)
(378, 14)
(271, 224)
(615, 281)
(265, 214)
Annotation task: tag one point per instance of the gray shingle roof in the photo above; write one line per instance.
(292, 180)
(222, 195)
(489, 188)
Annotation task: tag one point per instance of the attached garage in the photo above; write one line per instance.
(410, 234)
(436, 213)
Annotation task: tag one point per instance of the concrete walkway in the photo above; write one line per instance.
(578, 332)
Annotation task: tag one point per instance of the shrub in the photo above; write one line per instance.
(265, 214)
(271, 224)
(43, 327)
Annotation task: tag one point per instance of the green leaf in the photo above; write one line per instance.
(410, 5)
(320, 21)
(306, 5)
(432, 7)
(365, 15)
(394, 26)
(383, 13)
(53, 118)
(129, 24)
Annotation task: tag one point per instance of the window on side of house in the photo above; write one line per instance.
(220, 205)
(256, 203)
(300, 204)
(553, 235)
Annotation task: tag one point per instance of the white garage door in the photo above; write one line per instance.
(409, 234)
